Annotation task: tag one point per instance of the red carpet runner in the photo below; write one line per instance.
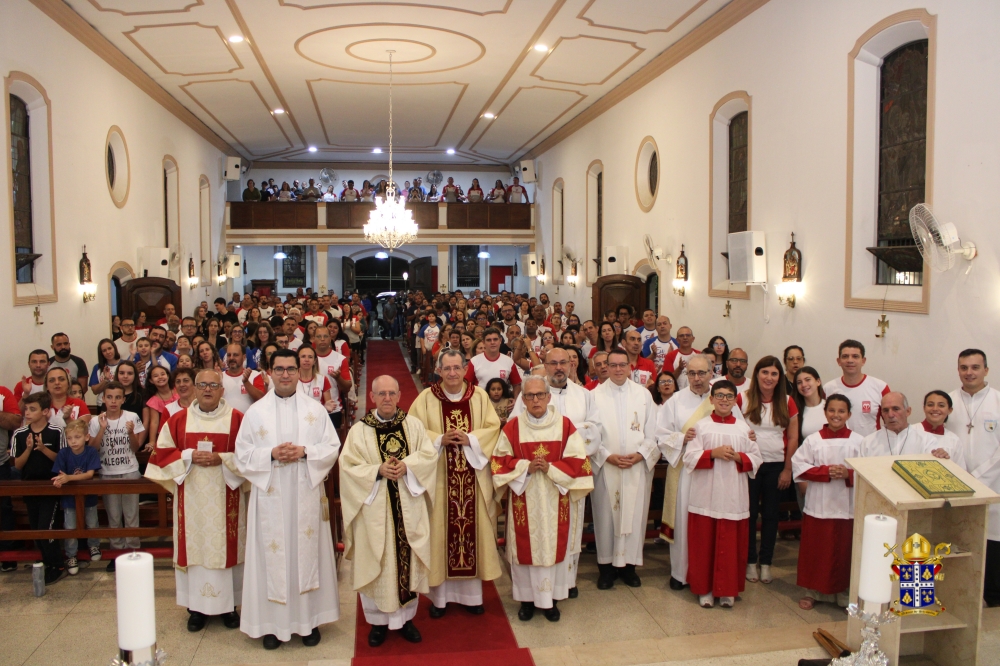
(385, 358)
(457, 639)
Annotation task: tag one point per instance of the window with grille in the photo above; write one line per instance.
(20, 159)
(739, 146)
(467, 266)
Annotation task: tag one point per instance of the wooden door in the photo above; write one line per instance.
(611, 291)
(264, 287)
(421, 278)
(348, 278)
(149, 295)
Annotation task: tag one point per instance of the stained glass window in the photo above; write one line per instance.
(902, 159)
(739, 146)
(600, 223)
(20, 159)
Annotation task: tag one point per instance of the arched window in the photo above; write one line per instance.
(558, 231)
(731, 153)
(595, 220)
(739, 145)
(20, 159)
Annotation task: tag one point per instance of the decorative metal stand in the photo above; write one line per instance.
(146, 657)
(869, 654)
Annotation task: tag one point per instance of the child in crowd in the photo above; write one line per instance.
(34, 449)
(116, 434)
(940, 442)
(828, 517)
(77, 462)
(76, 391)
(719, 459)
(502, 398)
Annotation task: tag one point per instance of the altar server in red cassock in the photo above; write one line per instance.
(195, 460)
(828, 518)
(719, 458)
(543, 460)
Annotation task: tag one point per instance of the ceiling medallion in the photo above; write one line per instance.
(390, 224)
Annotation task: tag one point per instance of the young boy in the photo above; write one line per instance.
(77, 462)
(115, 433)
(719, 458)
(828, 516)
(34, 447)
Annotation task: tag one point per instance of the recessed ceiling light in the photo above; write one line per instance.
(488, 115)
(312, 149)
(279, 111)
(541, 47)
(450, 151)
(376, 150)
(236, 39)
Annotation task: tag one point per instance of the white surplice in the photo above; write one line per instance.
(980, 443)
(290, 578)
(670, 421)
(577, 404)
(620, 500)
(884, 442)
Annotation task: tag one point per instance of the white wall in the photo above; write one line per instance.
(87, 98)
(791, 57)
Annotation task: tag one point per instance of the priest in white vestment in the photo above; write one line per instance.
(195, 460)
(543, 461)
(976, 422)
(387, 523)
(464, 427)
(898, 438)
(674, 430)
(577, 404)
(286, 447)
(623, 473)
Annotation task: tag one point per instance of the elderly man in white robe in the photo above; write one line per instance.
(577, 404)
(542, 459)
(195, 460)
(387, 481)
(286, 447)
(675, 423)
(623, 473)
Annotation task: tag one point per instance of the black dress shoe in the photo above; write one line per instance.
(606, 579)
(526, 612)
(574, 592)
(410, 632)
(676, 584)
(552, 614)
(475, 610)
(196, 621)
(629, 576)
(377, 635)
(436, 612)
(271, 642)
(231, 620)
(312, 640)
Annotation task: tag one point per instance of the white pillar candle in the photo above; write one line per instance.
(136, 601)
(875, 584)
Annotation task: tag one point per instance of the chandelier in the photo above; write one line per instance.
(390, 224)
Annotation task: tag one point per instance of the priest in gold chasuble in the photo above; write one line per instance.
(387, 484)
(464, 427)
(542, 459)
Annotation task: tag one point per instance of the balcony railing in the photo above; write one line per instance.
(353, 216)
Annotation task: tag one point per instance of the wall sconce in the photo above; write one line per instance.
(791, 276)
(220, 273)
(681, 274)
(87, 287)
(541, 270)
(573, 278)
(192, 279)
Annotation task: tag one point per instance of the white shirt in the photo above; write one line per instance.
(770, 437)
(483, 370)
(117, 456)
(832, 499)
(866, 402)
(812, 419)
(721, 492)
(660, 350)
(236, 391)
(314, 388)
(646, 334)
(741, 389)
(330, 364)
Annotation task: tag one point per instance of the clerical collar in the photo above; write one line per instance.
(284, 397)
(826, 433)
(219, 409)
(619, 387)
(560, 389)
(454, 397)
(723, 419)
(382, 420)
(541, 420)
(939, 430)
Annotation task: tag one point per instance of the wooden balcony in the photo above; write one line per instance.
(273, 215)
(489, 216)
(355, 215)
(276, 215)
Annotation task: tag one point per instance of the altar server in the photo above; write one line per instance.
(719, 458)
(942, 443)
(387, 482)
(286, 447)
(828, 517)
(543, 461)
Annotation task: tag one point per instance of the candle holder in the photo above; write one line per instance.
(869, 654)
(150, 656)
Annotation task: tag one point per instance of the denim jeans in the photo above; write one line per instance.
(69, 522)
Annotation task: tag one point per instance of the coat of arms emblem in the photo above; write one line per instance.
(917, 572)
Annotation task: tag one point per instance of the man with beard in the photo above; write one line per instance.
(657, 347)
(507, 319)
(157, 337)
(195, 460)
(579, 406)
(641, 370)
(63, 358)
(540, 315)
(34, 382)
(736, 370)
(242, 386)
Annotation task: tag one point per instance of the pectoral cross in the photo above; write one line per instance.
(969, 427)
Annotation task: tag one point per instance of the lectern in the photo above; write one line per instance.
(951, 638)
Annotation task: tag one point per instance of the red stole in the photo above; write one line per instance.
(460, 482)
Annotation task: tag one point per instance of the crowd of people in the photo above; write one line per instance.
(514, 193)
(522, 399)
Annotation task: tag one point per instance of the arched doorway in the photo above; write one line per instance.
(374, 275)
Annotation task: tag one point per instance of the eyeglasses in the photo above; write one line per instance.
(665, 382)
(697, 373)
(724, 396)
(201, 386)
(285, 371)
(738, 361)
(618, 365)
(558, 363)
(534, 396)
(386, 394)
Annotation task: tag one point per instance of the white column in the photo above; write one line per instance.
(322, 265)
(444, 275)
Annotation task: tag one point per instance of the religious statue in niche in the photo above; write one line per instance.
(792, 264)
(682, 266)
